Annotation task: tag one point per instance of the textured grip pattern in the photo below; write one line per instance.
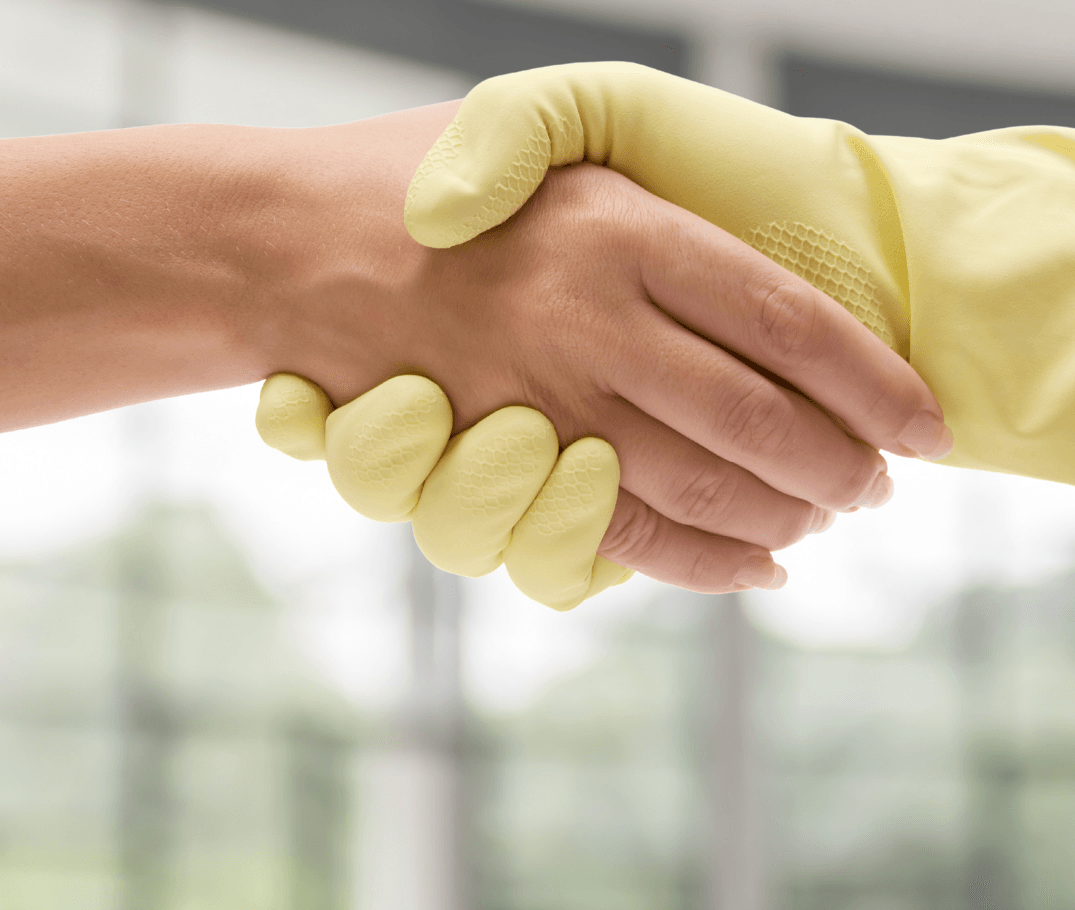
(381, 447)
(829, 265)
(564, 527)
(482, 484)
(384, 450)
(575, 490)
(500, 470)
(523, 177)
(568, 141)
(291, 416)
(525, 174)
(444, 150)
(444, 225)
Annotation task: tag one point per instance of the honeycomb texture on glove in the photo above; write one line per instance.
(499, 470)
(384, 447)
(291, 416)
(503, 494)
(577, 488)
(560, 140)
(829, 265)
(524, 176)
(567, 522)
(437, 158)
(484, 482)
(381, 447)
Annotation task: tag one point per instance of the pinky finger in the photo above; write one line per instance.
(641, 538)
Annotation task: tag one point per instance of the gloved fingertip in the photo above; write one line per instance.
(291, 416)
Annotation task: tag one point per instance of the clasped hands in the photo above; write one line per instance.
(712, 405)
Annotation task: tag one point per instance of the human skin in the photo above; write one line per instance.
(160, 261)
(131, 266)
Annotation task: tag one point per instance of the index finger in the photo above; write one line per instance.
(797, 336)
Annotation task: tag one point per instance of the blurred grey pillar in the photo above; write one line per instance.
(994, 770)
(146, 726)
(147, 29)
(737, 60)
(435, 724)
(318, 805)
(411, 850)
(735, 871)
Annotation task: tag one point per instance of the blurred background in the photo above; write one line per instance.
(222, 688)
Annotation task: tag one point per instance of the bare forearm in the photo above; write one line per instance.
(147, 263)
(129, 264)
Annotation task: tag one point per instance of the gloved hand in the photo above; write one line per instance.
(390, 458)
(959, 254)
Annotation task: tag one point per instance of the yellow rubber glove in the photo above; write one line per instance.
(958, 253)
(498, 492)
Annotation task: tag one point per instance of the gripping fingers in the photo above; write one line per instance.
(500, 495)
(495, 493)
(481, 487)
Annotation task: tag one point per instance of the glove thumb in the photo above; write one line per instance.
(508, 132)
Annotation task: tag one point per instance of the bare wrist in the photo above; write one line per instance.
(333, 305)
(128, 268)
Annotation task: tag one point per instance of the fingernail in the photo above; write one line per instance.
(880, 493)
(927, 436)
(761, 572)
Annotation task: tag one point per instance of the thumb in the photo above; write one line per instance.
(507, 133)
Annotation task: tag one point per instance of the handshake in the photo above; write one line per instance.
(724, 324)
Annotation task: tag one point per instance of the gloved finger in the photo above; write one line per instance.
(481, 487)
(291, 416)
(500, 494)
(552, 556)
(382, 446)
